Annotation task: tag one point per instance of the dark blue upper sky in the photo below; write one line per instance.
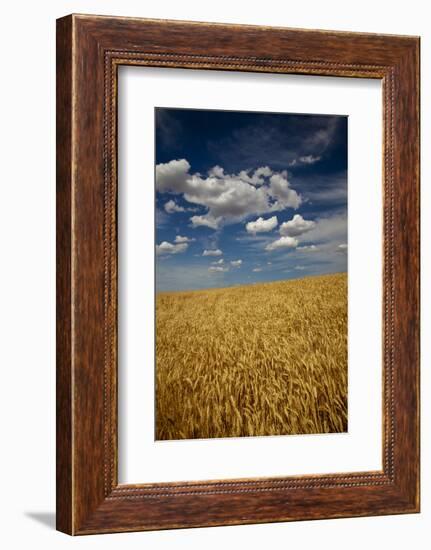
(245, 197)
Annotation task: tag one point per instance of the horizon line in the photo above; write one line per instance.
(250, 284)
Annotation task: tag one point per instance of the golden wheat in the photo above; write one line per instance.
(264, 359)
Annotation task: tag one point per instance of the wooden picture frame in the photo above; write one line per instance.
(89, 51)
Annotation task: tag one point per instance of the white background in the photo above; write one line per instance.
(27, 125)
(141, 458)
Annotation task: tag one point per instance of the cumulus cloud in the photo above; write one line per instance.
(296, 226)
(216, 252)
(257, 269)
(205, 221)
(257, 178)
(218, 262)
(217, 269)
(171, 207)
(216, 171)
(282, 243)
(236, 263)
(170, 248)
(180, 239)
(283, 195)
(228, 198)
(172, 175)
(262, 226)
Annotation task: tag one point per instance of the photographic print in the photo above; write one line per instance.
(251, 274)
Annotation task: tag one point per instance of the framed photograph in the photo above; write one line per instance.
(237, 274)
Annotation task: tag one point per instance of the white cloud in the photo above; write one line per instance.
(216, 171)
(236, 263)
(342, 246)
(296, 226)
(171, 207)
(257, 269)
(262, 226)
(206, 221)
(169, 248)
(180, 239)
(218, 262)
(283, 242)
(216, 252)
(228, 198)
(258, 175)
(172, 175)
(217, 269)
(283, 194)
(263, 171)
(299, 267)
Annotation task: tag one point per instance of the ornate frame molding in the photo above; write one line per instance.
(90, 49)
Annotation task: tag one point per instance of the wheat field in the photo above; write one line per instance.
(254, 360)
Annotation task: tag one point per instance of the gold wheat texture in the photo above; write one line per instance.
(254, 360)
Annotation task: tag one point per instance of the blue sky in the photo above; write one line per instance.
(247, 197)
